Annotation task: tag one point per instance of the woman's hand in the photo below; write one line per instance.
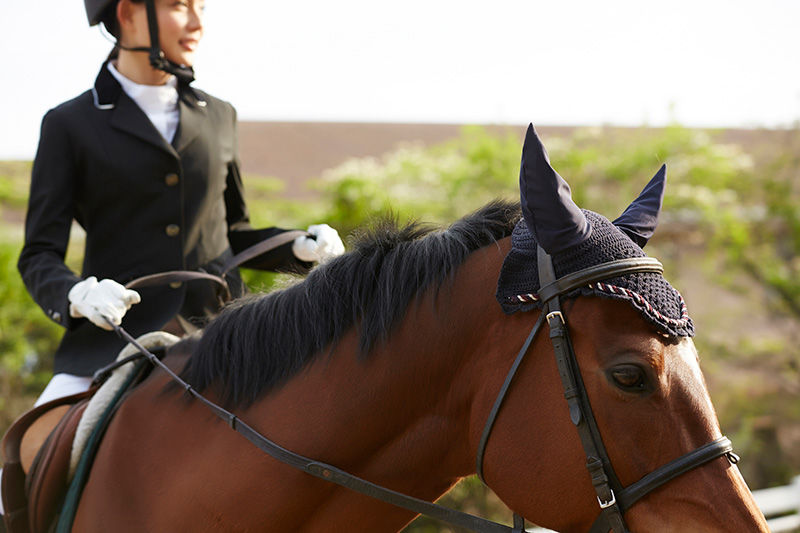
(98, 300)
(324, 243)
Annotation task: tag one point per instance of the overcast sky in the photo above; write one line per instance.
(586, 62)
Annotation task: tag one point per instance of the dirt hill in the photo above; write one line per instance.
(298, 151)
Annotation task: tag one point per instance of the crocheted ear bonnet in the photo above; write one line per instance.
(578, 239)
(651, 294)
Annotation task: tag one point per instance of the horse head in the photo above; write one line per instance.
(636, 377)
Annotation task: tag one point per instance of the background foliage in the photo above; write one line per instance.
(729, 238)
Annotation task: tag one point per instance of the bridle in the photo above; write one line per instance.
(613, 499)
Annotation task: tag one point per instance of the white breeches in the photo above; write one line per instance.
(64, 385)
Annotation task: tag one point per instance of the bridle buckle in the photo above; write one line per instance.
(554, 314)
(606, 505)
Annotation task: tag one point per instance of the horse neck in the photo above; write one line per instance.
(405, 411)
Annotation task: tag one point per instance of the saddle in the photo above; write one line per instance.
(36, 453)
(43, 448)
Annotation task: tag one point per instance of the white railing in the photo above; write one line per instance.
(781, 506)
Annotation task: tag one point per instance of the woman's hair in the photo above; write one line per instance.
(109, 20)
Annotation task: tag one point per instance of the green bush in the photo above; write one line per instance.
(27, 341)
(436, 184)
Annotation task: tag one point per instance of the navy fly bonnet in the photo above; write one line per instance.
(578, 239)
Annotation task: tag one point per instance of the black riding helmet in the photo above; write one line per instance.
(104, 11)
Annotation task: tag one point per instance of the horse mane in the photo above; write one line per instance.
(260, 341)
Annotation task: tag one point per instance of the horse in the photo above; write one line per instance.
(386, 363)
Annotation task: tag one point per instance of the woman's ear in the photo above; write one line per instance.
(125, 16)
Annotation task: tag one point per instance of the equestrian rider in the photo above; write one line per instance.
(148, 166)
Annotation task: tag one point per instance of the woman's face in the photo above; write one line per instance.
(180, 27)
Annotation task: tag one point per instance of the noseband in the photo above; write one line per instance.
(613, 499)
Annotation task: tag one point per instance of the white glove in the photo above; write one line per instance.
(99, 300)
(325, 244)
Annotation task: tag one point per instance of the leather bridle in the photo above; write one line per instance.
(613, 499)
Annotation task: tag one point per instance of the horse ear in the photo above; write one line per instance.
(547, 207)
(640, 219)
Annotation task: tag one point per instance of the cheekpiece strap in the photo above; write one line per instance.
(597, 463)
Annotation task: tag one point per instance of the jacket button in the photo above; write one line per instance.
(173, 230)
(171, 179)
(176, 285)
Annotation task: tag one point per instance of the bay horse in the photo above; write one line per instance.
(387, 363)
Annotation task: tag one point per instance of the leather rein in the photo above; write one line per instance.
(613, 499)
(179, 276)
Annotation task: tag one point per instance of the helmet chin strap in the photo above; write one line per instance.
(184, 74)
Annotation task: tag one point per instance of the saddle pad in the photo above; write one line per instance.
(104, 396)
(649, 293)
(72, 498)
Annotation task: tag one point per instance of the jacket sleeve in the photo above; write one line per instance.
(238, 216)
(241, 234)
(51, 209)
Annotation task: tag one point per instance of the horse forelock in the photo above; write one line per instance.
(259, 342)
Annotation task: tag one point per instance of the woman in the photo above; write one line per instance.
(147, 165)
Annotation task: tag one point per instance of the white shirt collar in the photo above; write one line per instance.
(152, 95)
(159, 102)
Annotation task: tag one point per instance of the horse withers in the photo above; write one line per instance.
(387, 362)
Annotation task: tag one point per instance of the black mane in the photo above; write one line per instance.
(261, 341)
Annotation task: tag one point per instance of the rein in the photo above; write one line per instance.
(324, 470)
(613, 499)
(179, 276)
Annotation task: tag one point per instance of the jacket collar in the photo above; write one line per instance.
(127, 116)
(106, 89)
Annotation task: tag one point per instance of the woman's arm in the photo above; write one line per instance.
(51, 209)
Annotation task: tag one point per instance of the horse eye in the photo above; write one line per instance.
(629, 377)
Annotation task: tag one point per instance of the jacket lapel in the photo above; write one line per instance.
(128, 117)
(193, 114)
